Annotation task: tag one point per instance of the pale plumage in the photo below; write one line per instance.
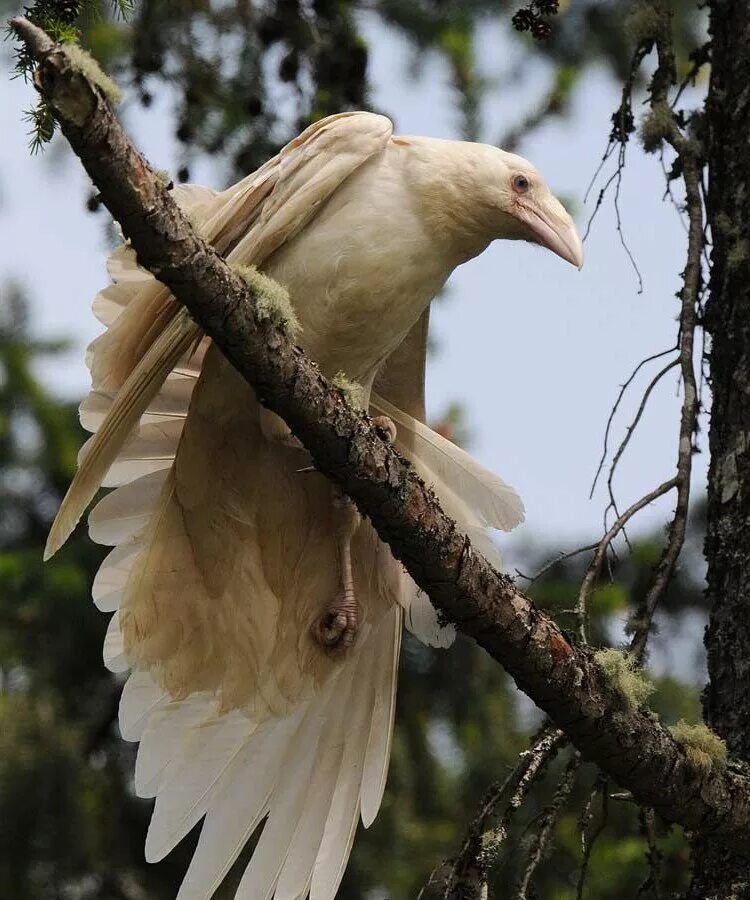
(225, 554)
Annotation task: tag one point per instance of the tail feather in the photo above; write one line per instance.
(287, 802)
(295, 876)
(308, 772)
(341, 824)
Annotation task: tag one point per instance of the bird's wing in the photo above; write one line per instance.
(401, 379)
(147, 337)
(193, 542)
(475, 497)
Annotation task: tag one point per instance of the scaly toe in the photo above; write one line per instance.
(384, 424)
(335, 630)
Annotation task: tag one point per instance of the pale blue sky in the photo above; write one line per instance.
(535, 349)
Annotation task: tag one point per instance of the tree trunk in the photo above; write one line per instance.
(719, 874)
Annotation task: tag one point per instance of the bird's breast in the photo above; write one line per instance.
(361, 273)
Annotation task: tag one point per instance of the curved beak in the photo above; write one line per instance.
(554, 230)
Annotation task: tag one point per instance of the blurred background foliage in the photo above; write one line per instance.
(242, 78)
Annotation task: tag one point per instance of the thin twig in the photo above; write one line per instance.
(466, 874)
(561, 557)
(633, 426)
(547, 824)
(617, 526)
(588, 843)
(621, 394)
(653, 856)
(692, 166)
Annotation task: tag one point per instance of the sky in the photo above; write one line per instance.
(535, 350)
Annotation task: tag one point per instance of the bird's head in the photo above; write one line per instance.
(522, 207)
(475, 193)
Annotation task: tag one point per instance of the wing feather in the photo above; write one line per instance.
(140, 696)
(378, 753)
(238, 808)
(192, 780)
(496, 504)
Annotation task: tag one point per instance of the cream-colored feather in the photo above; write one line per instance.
(496, 504)
(378, 752)
(113, 575)
(140, 697)
(192, 779)
(114, 650)
(130, 404)
(238, 808)
(166, 733)
(343, 816)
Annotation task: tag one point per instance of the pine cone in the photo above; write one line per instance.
(541, 30)
(547, 7)
(524, 19)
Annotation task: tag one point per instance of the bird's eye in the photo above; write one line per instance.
(520, 184)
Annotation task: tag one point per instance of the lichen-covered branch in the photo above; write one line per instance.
(563, 679)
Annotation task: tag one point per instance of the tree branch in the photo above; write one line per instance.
(563, 679)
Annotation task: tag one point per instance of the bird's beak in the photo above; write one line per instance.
(553, 230)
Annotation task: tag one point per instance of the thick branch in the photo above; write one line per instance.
(564, 680)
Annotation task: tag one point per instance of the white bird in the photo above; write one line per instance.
(260, 617)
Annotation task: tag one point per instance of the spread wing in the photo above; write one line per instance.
(475, 497)
(146, 339)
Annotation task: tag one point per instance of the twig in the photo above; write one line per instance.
(632, 427)
(466, 875)
(617, 526)
(561, 557)
(546, 826)
(588, 844)
(613, 412)
(653, 857)
(692, 166)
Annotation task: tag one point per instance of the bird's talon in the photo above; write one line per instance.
(336, 630)
(385, 425)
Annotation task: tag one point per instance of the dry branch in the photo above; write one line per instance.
(563, 679)
(466, 875)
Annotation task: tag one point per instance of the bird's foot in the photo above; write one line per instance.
(337, 628)
(385, 425)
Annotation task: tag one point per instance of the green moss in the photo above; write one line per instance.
(646, 22)
(624, 677)
(703, 747)
(353, 392)
(656, 126)
(164, 177)
(272, 300)
(84, 63)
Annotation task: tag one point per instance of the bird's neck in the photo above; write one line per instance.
(446, 178)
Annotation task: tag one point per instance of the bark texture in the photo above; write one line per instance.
(718, 872)
(563, 679)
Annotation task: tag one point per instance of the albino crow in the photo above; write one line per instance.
(259, 615)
